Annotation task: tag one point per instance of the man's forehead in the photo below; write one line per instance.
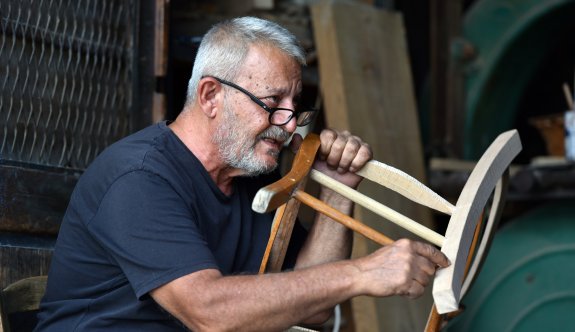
(267, 60)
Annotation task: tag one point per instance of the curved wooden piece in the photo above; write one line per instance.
(435, 320)
(273, 196)
(278, 194)
(404, 184)
(490, 227)
(448, 281)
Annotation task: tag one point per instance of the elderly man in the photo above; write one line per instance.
(159, 234)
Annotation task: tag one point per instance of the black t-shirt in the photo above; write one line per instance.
(144, 213)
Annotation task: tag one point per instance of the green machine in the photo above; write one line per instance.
(528, 280)
(516, 41)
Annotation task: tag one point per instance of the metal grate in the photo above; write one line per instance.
(66, 78)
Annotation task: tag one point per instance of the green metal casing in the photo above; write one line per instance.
(511, 38)
(528, 281)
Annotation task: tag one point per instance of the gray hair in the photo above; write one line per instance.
(225, 46)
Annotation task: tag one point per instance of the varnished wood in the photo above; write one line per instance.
(342, 218)
(278, 243)
(278, 193)
(434, 321)
(273, 236)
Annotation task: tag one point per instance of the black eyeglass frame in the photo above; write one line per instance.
(271, 110)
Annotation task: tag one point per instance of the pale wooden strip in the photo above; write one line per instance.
(406, 185)
(448, 281)
(367, 88)
(378, 208)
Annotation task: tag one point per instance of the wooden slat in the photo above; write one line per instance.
(404, 184)
(22, 262)
(161, 38)
(378, 208)
(366, 85)
(34, 200)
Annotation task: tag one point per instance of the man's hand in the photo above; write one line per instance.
(403, 268)
(340, 155)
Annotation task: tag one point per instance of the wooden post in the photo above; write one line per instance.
(447, 105)
(160, 58)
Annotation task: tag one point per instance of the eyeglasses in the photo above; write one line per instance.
(278, 116)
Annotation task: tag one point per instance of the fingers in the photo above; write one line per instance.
(404, 268)
(432, 253)
(343, 151)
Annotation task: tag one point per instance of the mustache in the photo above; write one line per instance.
(275, 133)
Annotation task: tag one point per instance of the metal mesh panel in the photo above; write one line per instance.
(66, 78)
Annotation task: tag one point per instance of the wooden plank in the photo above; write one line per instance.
(366, 85)
(446, 76)
(161, 38)
(161, 24)
(34, 200)
(18, 262)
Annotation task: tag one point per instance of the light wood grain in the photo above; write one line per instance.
(366, 85)
(405, 184)
(448, 281)
(378, 208)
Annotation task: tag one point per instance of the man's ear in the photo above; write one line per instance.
(210, 96)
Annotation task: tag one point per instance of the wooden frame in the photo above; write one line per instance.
(449, 282)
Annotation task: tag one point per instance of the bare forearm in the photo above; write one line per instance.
(205, 300)
(327, 239)
(267, 302)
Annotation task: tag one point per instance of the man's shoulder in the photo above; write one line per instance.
(127, 155)
(130, 152)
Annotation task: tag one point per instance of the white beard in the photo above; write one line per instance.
(237, 148)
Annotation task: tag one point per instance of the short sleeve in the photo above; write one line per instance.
(150, 232)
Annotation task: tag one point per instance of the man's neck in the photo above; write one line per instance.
(196, 136)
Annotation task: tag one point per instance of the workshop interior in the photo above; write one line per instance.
(428, 84)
